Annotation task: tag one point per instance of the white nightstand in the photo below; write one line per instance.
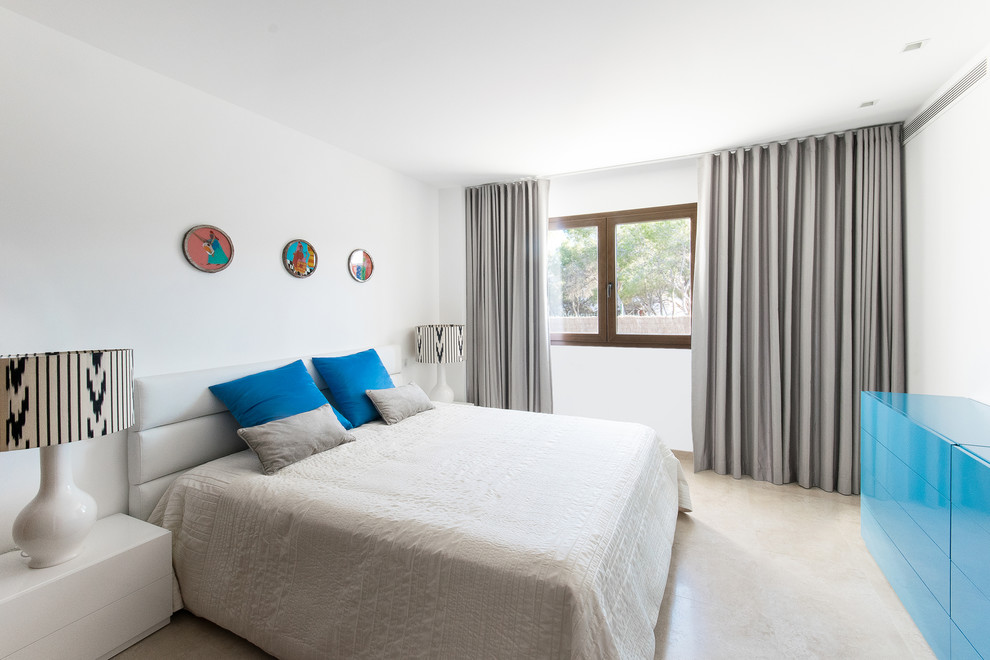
(117, 591)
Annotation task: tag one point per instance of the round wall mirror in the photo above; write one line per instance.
(360, 265)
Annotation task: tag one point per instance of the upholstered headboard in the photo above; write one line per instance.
(179, 424)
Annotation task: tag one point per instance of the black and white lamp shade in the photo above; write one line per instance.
(440, 343)
(54, 398)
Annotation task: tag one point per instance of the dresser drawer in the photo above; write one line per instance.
(923, 451)
(971, 612)
(868, 407)
(921, 553)
(919, 499)
(961, 648)
(930, 617)
(867, 463)
(971, 519)
(110, 627)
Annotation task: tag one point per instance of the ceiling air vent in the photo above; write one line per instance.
(922, 119)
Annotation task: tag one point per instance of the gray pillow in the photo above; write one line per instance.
(396, 403)
(284, 441)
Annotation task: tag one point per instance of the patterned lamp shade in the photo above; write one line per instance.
(440, 343)
(54, 398)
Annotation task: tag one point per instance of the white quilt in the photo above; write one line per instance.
(461, 532)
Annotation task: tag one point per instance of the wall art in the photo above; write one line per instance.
(207, 248)
(360, 265)
(299, 258)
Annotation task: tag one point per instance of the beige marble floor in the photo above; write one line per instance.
(758, 571)
(764, 571)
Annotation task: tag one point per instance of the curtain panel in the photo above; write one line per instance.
(798, 305)
(507, 334)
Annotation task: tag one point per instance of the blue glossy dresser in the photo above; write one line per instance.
(925, 497)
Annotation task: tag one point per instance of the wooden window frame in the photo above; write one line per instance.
(607, 318)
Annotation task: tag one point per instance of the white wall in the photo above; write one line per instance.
(105, 165)
(651, 386)
(947, 243)
(453, 281)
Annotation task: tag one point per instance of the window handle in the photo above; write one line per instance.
(608, 291)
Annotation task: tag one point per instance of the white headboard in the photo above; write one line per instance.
(179, 424)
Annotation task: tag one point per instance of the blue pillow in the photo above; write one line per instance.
(348, 377)
(274, 394)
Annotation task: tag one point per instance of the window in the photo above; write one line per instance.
(623, 278)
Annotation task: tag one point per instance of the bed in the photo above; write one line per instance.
(457, 532)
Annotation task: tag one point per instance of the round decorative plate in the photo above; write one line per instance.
(208, 248)
(299, 258)
(360, 265)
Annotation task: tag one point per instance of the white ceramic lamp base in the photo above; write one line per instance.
(442, 391)
(53, 526)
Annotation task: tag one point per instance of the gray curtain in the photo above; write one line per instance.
(508, 338)
(798, 305)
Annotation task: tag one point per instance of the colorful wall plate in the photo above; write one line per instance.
(360, 265)
(299, 258)
(207, 248)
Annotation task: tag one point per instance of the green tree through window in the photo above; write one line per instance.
(637, 264)
(573, 273)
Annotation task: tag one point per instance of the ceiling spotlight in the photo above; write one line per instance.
(868, 104)
(914, 45)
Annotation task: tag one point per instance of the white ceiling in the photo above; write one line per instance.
(460, 92)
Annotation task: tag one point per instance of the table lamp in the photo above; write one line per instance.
(50, 399)
(440, 344)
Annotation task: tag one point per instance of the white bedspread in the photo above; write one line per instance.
(461, 532)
